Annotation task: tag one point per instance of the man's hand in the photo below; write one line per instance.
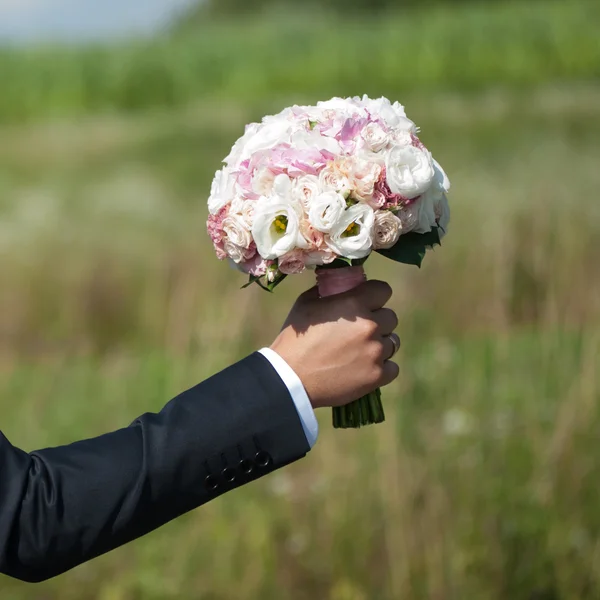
(340, 346)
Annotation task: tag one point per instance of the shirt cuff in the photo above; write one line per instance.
(298, 394)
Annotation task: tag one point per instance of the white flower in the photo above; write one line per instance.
(364, 175)
(235, 253)
(347, 105)
(267, 135)
(243, 208)
(393, 115)
(237, 231)
(425, 210)
(352, 237)
(376, 138)
(401, 137)
(221, 191)
(305, 189)
(262, 181)
(276, 226)
(387, 230)
(326, 210)
(433, 207)
(409, 217)
(409, 170)
(235, 156)
(336, 176)
(314, 140)
(442, 215)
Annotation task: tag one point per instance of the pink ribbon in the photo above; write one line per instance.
(338, 281)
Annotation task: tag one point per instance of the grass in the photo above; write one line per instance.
(483, 482)
(308, 57)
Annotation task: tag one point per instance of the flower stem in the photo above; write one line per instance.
(366, 411)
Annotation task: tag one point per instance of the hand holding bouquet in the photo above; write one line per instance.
(321, 187)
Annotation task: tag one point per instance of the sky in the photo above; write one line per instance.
(73, 20)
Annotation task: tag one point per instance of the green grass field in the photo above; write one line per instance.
(484, 483)
(307, 57)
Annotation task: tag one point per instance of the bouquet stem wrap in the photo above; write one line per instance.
(368, 409)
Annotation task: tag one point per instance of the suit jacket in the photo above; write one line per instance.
(60, 507)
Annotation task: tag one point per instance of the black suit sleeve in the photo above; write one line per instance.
(63, 506)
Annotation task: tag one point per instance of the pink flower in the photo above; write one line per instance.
(292, 262)
(383, 197)
(350, 133)
(315, 239)
(256, 265)
(416, 142)
(214, 226)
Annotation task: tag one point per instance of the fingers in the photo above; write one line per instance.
(374, 294)
(391, 345)
(390, 372)
(386, 320)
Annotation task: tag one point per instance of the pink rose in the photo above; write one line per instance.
(256, 266)
(292, 262)
(315, 239)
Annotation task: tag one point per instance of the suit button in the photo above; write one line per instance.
(262, 459)
(228, 475)
(211, 483)
(246, 466)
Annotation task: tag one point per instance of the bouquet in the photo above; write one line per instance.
(322, 187)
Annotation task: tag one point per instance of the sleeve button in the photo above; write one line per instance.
(228, 475)
(211, 483)
(246, 467)
(262, 459)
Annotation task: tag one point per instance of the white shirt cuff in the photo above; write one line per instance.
(298, 394)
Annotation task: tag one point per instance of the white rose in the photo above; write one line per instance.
(243, 208)
(262, 181)
(409, 170)
(235, 253)
(276, 226)
(305, 189)
(376, 138)
(409, 217)
(365, 174)
(237, 231)
(386, 231)
(335, 176)
(352, 237)
(326, 210)
(221, 191)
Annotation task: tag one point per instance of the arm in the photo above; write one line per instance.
(76, 502)
(63, 506)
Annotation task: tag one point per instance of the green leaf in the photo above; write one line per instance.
(278, 279)
(412, 247)
(254, 279)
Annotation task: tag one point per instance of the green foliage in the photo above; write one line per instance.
(283, 60)
(411, 247)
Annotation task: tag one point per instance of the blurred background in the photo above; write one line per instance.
(484, 483)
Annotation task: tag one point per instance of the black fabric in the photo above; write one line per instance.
(60, 507)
